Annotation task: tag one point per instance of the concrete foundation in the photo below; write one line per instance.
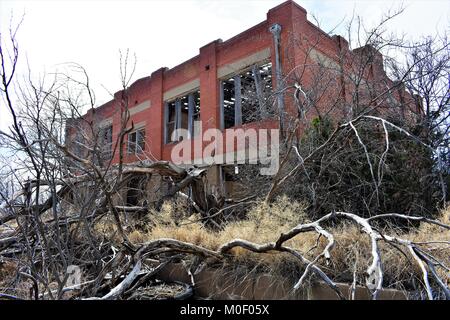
(218, 284)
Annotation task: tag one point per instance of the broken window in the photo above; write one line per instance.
(182, 113)
(250, 103)
(246, 97)
(228, 102)
(171, 121)
(195, 124)
(105, 141)
(79, 145)
(136, 141)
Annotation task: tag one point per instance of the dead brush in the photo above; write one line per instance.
(350, 256)
(9, 283)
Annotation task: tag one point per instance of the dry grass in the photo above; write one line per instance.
(7, 270)
(265, 223)
(8, 283)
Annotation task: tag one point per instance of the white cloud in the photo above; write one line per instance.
(165, 33)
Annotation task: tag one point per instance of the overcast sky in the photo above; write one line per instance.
(166, 33)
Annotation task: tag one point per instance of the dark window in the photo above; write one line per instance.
(135, 191)
(195, 129)
(184, 114)
(171, 121)
(230, 173)
(105, 140)
(79, 147)
(228, 103)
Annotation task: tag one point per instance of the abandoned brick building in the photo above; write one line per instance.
(209, 87)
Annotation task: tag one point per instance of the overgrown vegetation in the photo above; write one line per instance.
(339, 177)
(350, 254)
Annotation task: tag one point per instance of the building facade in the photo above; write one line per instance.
(247, 81)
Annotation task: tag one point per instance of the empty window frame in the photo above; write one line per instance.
(228, 98)
(136, 141)
(79, 145)
(182, 113)
(194, 124)
(170, 114)
(245, 97)
(105, 140)
(171, 121)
